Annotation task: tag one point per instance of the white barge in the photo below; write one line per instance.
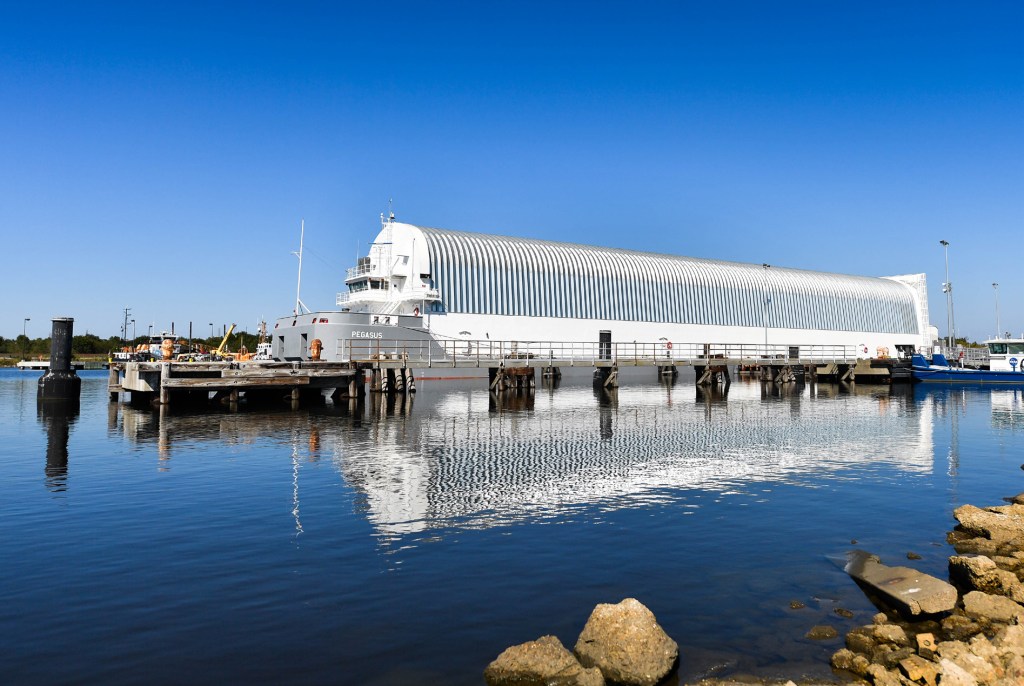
(424, 292)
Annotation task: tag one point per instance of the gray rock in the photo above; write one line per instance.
(965, 543)
(1007, 562)
(1010, 639)
(959, 653)
(881, 676)
(959, 628)
(982, 574)
(843, 659)
(999, 524)
(951, 674)
(626, 643)
(992, 607)
(544, 662)
(861, 640)
(890, 633)
(1013, 670)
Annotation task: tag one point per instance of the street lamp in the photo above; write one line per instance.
(947, 288)
(995, 287)
(24, 325)
(133, 331)
(211, 329)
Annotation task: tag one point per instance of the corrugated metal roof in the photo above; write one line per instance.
(484, 273)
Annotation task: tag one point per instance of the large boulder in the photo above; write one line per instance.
(994, 608)
(981, 573)
(544, 662)
(1003, 524)
(626, 643)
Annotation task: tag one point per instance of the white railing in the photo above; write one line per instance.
(590, 353)
(360, 270)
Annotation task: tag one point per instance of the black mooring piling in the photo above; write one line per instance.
(60, 385)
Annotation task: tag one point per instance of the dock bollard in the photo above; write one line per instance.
(60, 384)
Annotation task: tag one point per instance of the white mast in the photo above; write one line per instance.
(299, 305)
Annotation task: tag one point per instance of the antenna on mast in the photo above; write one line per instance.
(299, 305)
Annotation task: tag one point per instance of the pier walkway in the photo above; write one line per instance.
(489, 354)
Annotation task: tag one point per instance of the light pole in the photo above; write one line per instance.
(947, 288)
(995, 287)
(133, 331)
(211, 329)
(149, 334)
(24, 326)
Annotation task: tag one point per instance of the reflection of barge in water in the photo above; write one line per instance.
(426, 289)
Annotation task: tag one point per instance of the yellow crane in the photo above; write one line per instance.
(219, 352)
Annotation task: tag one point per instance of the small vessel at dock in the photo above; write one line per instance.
(1006, 366)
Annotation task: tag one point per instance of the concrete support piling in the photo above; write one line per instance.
(60, 385)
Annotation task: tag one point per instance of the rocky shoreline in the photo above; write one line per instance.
(975, 639)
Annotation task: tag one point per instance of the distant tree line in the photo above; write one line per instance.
(24, 348)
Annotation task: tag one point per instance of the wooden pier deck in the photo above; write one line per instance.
(158, 382)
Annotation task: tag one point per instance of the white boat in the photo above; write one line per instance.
(431, 293)
(1006, 354)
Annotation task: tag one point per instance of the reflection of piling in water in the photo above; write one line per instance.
(57, 419)
(60, 384)
(518, 400)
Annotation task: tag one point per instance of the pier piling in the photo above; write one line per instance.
(60, 385)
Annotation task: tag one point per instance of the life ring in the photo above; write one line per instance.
(863, 348)
(415, 311)
(668, 345)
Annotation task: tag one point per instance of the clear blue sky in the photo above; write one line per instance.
(160, 156)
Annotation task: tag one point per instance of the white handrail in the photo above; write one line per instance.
(555, 353)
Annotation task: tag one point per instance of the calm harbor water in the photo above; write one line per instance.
(411, 543)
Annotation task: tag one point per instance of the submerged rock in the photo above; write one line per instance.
(626, 643)
(822, 632)
(544, 662)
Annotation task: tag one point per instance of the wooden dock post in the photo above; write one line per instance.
(165, 374)
(114, 384)
(400, 380)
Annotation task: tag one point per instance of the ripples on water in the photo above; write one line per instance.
(411, 542)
